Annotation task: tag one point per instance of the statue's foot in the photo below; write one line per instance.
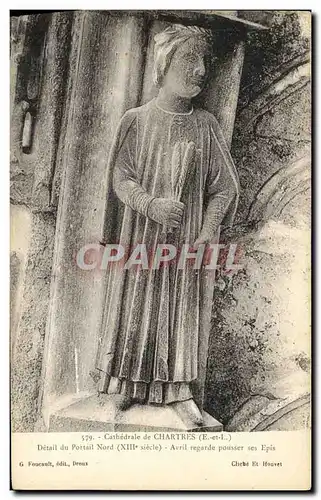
(123, 402)
(188, 411)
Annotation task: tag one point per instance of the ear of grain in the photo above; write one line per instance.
(176, 167)
(187, 168)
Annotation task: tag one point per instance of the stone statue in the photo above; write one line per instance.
(171, 180)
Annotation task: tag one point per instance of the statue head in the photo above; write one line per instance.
(180, 55)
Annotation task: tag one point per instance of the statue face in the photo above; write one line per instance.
(186, 73)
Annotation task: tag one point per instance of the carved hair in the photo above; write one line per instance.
(168, 41)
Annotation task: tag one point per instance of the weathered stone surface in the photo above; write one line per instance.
(97, 413)
(39, 68)
(261, 321)
(261, 324)
(286, 196)
(272, 142)
(270, 53)
(15, 272)
(28, 348)
(20, 231)
(258, 361)
(260, 338)
(222, 93)
(280, 414)
(259, 345)
(51, 107)
(297, 419)
(97, 102)
(27, 34)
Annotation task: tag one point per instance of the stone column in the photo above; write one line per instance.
(104, 80)
(37, 88)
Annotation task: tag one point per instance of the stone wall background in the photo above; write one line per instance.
(259, 343)
(259, 363)
(37, 100)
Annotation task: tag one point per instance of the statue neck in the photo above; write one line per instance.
(173, 103)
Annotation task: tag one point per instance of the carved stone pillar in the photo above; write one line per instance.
(38, 64)
(105, 80)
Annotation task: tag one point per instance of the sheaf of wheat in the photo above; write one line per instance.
(186, 169)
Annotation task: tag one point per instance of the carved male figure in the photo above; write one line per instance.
(172, 180)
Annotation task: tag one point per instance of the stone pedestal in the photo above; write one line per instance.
(98, 414)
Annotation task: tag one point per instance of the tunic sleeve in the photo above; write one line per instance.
(222, 186)
(125, 183)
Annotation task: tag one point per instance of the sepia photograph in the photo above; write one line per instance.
(160, 222)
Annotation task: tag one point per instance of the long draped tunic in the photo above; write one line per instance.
(150, 336)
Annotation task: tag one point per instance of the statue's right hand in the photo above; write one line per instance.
(167, 212)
